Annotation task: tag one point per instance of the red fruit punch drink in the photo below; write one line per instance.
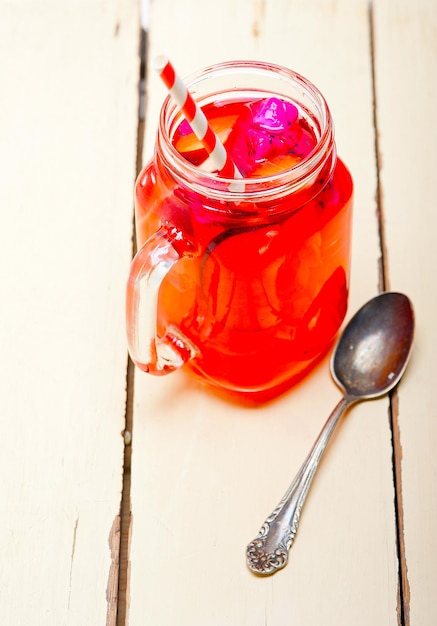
(246, 280)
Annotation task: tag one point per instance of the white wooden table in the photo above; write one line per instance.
(94, 532)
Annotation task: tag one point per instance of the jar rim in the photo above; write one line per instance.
(271, 186)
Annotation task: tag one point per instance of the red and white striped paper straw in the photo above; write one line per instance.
(196, 118)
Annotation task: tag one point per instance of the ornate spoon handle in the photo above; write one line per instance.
(268, 552)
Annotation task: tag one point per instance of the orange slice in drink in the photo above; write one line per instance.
(280, 164)
(222, 126)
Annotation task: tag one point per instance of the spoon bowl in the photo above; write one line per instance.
(373, 351)
(368, 361)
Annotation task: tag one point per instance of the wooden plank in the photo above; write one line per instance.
(207, 470)
(68, 79)
(406, 72)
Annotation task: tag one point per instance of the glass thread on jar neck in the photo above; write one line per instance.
(317, 166)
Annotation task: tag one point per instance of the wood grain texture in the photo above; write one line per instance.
(206, 469)
(68, 126)
(406, 62)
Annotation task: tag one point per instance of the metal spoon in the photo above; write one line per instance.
(369, 360)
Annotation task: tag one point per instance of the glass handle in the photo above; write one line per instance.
(153, 354)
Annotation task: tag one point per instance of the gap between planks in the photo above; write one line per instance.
(403, 608)
(125, 507)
